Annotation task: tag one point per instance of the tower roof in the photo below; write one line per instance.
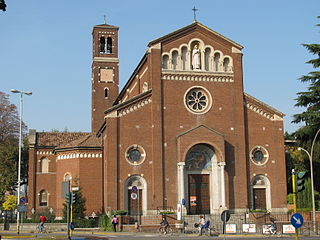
(106, 26)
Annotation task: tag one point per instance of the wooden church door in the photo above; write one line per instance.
(259, 198)
(199, 195)
(135, 202)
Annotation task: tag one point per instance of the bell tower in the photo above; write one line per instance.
(105, 72)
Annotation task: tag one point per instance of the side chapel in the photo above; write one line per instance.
(182, 127)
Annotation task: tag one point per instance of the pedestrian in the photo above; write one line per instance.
(114, 222)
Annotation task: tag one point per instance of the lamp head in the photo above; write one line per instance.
(15, 91)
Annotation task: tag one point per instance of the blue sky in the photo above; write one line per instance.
(46, 48)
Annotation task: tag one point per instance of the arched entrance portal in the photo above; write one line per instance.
(204, 186)
(260, 192)
(135, 195)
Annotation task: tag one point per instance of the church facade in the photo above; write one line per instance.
(182, 130)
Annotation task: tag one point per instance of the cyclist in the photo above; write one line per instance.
(201, 224)
(164, 224)
(42, 221)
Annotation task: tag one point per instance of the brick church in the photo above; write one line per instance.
(182, 129)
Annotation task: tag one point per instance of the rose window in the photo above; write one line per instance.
(135, 154)
(198, 100)
(259, 155)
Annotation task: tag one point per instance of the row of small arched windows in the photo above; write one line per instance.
(214, 62)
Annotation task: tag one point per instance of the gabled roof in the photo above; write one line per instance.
(54, 139)
(89, 140)
(188, 28)
(200, 126)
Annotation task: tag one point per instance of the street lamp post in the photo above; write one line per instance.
(20, 145)
(312, 183)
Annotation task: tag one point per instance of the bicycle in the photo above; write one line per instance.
(269, 230)
(165, 230)
(207, 230)
(40, 229)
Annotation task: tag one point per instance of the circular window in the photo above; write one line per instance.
(135, 154)
(198, 100)
(259, 155)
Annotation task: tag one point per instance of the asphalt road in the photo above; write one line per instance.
(142, 236)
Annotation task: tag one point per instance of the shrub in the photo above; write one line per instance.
(119, 212)
(85, 223)
(105, 223)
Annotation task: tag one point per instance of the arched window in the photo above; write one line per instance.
(109, 45)
(207, 59)
(174, 60)
(184, 58)
(165, 62)
(106, 93)
(102, 45)
(67, 177)
(226, 63)
(216, 60)
(44, 165)
(43, 198)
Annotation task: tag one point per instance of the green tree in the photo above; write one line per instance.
(10, 203)
(9, 147)
(310, 101)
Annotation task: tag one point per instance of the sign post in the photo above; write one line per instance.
(294, 190)
(225, 216)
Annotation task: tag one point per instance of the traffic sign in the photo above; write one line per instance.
(183, 202)
(134, 189)
(297, 220)
(22, 208)
(23, 200)
(225, 216)
(134, 196)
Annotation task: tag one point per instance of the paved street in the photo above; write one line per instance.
(135, 236)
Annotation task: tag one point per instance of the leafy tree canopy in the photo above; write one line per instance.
(9, 147)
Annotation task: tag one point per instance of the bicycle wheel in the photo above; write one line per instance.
(214, 232)
(169, 230)
(161, 230)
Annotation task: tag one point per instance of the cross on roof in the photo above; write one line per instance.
(194, 14)
(104, 18)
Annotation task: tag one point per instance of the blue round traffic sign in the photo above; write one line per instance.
(297, 220)
(183, 202)
(134, 189)
(23, 200)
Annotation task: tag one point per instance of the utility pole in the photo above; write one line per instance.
(294, 189)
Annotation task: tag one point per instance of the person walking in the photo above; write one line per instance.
(114, 222)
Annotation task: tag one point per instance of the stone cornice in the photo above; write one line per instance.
(133, 107)
(262, 108)
(197, 76)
